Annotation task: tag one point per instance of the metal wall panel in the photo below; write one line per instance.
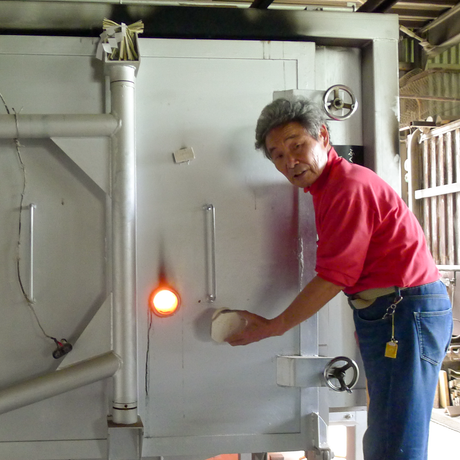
(336, 327)
(69, 237)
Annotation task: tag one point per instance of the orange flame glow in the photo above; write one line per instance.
(164, 301)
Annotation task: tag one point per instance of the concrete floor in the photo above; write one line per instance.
(444, 443)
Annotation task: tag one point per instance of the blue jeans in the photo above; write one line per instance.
(401, 390)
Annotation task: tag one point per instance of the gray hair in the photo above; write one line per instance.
(283, 111)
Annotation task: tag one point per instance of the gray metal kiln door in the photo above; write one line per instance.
(202, 396)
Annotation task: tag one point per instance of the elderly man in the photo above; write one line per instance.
(371, 247)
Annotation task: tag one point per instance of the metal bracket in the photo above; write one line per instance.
(124, 442)
(313, 95)
(301, 371)
(318, 440)
(317, 371)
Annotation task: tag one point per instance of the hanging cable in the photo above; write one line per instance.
(62, 346)
(21, 205)
(147, 354)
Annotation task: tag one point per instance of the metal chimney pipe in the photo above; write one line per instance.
(42, 126)
(58, 382)
(122, 84)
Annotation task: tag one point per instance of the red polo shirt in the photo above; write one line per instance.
(368, 238)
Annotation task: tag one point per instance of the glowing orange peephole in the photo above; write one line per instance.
(164, 301)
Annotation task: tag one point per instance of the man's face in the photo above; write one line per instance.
(296, 154)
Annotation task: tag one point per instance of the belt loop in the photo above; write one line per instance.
(397, 291)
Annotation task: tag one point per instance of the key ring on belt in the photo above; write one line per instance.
(391, 309)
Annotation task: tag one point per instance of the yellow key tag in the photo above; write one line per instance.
(391, 349)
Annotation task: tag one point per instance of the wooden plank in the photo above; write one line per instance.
(437, 191)
(457, 196)
(448, 267)
(441, 211)
(429, 98)
(440, 192)
(414, 175)
(444, 395)
(426, 202)
(449, 158)
(441, 130)
(433, 204)
(438, 66)
(450, 249)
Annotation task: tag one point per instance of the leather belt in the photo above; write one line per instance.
(366, 298)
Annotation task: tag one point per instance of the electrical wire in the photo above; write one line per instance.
(4, 103)
(21, 204)
(147, 354)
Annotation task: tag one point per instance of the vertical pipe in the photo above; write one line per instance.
(122, 85)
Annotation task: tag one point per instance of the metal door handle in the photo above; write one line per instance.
(210, 215)
(32, 208)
